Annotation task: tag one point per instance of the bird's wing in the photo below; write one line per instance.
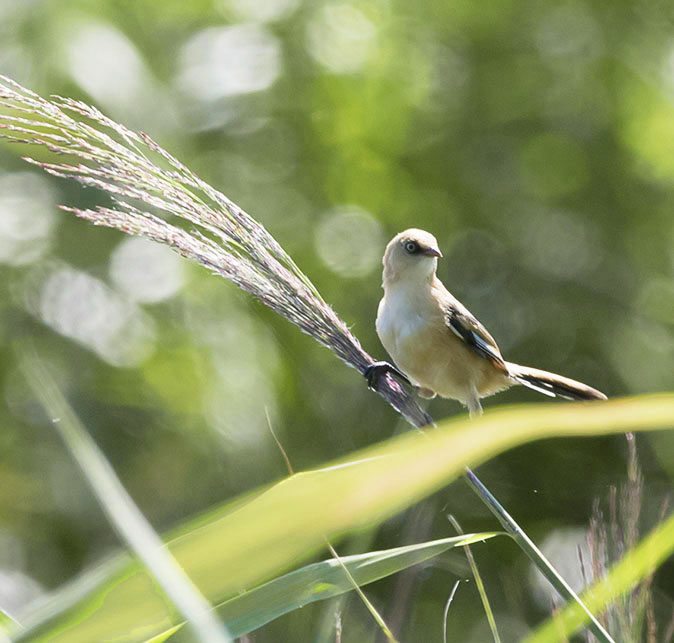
(469, 330)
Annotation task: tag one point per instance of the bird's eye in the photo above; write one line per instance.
(411, 247)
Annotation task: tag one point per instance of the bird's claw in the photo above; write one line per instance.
(377, 369)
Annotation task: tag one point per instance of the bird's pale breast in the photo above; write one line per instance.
(413, 330)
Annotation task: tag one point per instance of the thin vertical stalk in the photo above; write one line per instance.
(535, 555)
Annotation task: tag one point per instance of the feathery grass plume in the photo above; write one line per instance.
(227, 240)
(632, 615)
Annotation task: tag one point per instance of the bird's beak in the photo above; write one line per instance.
(432, 252)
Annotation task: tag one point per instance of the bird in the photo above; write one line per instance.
(437, 345)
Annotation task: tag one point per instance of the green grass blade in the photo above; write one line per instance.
(378, 618)
(120, 509)
(6, 623)
(636, 564)
(164, 636)
(244, 543)
(478, 582)
(327, 579)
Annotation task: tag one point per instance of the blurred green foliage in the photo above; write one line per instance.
(534, 139)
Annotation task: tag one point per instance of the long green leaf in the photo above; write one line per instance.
(241, 545)
(6, 622)
(638, 563)
(326, 579)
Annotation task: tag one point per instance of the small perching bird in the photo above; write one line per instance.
(436, 342)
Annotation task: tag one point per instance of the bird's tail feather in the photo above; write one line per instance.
(552, 384)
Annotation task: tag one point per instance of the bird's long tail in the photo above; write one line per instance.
(552, 384)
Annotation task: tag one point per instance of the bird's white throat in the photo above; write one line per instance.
(410, 275)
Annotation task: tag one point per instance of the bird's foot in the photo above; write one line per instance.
(377, 369)
(474, 406)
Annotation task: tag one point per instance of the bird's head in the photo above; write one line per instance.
(412, 255)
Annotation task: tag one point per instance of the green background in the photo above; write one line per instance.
(534, 139)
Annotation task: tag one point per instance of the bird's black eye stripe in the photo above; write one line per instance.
(412, 247)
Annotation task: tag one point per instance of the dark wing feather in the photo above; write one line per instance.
(474, 334)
